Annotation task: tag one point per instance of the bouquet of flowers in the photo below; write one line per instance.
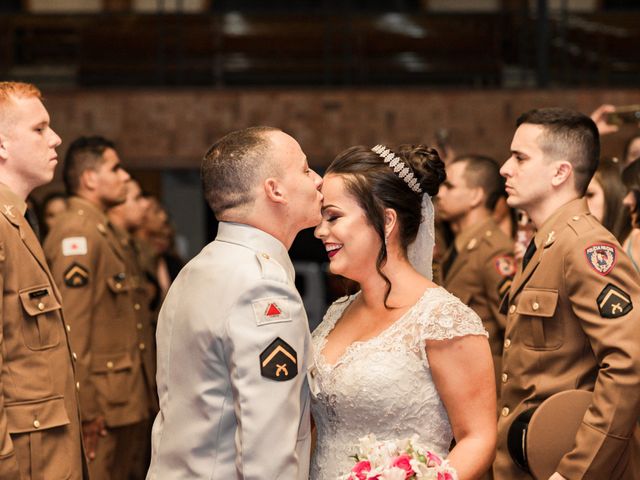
(397, 460)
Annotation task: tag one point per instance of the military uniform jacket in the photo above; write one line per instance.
(39, 417)
(481, 274)
(233, 352)
(98, 292)
(572, 323)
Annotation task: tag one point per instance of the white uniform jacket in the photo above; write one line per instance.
(233, 353)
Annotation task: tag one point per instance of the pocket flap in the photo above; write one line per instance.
(110, 362)
(37, 415)
(39, 299)
(537, 302)
(118, 283)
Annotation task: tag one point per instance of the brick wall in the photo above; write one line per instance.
(158, 129)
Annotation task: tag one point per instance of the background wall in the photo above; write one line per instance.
(157, 129)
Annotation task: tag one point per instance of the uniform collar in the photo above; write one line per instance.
(87, 209)
(11, 203)
(257, 240)
(464, 239)
(547, 234)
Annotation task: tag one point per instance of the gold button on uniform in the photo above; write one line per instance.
(139, 326)
(68, 328)
(507, 343)
(504, 377)
(141, 346)
(512, 309)
(535, 306)
(575, 218)
(136, 306)
(265, 256)
(77, 385)
(41, 306)
(36, 424)
(109, 364)
(118, 286)
(75, 357)
(505, 411)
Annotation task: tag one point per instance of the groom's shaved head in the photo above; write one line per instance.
(234, 166)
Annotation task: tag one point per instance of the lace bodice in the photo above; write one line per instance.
(383, 385)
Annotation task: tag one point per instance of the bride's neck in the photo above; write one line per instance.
(405, 282)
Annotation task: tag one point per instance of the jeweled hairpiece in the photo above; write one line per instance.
(398, 166)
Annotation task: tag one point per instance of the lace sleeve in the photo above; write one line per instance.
(447, 317)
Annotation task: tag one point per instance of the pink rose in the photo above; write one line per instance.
(361, 469)
(403, 462)
(432, 458)
(445, 476)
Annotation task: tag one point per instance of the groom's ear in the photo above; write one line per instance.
(274, 191)
(390, 221)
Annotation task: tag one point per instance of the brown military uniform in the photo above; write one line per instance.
(39, 417)
(101, 298)
(572, 323)
(480, 275)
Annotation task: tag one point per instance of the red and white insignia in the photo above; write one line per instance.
(505, 265)
(272, 310)
(74, 246)
(601, 257)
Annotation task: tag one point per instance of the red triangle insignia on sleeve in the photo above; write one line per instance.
(272, 310)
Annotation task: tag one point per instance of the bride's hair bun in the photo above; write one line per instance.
(427, 165)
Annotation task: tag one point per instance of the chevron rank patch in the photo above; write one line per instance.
(279, 361)
(504, 286)
(74, 246)
(613, 302)
(271, 310)
(76, 276)
(601, 257)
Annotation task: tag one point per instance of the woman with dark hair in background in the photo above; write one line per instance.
(631, 150)
(604, 196)
(402, 356)
(53, 205)
(631, 180)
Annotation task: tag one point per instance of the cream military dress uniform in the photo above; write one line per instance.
(574, 323)
(480, 275)
(233, 351)
(39, 417)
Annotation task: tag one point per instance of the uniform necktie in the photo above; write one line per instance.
(32, 220)
(528, 254)
(449, 261)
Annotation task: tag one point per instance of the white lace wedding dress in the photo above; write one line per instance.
(383, 385)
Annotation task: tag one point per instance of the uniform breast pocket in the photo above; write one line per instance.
(540, 329)
(112, 375)
(42, 327)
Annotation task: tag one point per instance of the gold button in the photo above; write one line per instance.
(136, 306)
(36, 423)
(512, 309)
(507, 343)
(41, 306)
(141, 346)
(489, 233)
(139, 326)
(118, 286)
(80, 212)
(535, 306)
(504, 377)
(575, 218)
(101, 228)
(265, 256)
(77, 385)
(505, 411)
(68, 328)
(73, 354)
(109, 364)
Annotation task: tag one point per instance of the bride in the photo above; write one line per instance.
(402, 356)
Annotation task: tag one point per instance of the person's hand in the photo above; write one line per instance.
(599, 116)
(556, 476)
(91, 431)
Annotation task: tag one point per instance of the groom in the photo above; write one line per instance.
(233, 339)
